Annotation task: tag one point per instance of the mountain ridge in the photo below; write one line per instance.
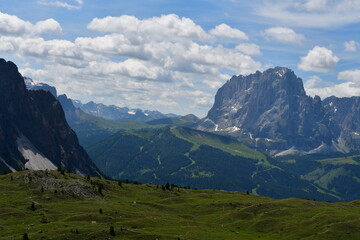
(33, 131)
(271, 111)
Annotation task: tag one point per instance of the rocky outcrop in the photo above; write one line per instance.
(33, 129)
(344, 114)
(272, 111)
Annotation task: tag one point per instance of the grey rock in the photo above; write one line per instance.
(272, 110)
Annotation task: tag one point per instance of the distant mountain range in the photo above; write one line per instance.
(94, 122)
(111, 112)
(33, 131)
(116, 113)
(271, 111)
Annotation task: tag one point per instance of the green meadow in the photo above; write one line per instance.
(51, 205)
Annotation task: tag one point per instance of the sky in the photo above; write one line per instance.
(173, 55)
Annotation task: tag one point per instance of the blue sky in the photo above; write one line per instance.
(173, 55)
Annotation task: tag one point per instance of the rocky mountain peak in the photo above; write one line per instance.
(270, 105)
(33, 131)
(31, 85)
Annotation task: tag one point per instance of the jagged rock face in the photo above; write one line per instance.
(32, 124)
(344, 119)
(269, 105)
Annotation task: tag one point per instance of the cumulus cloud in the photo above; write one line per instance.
(352, 76)
(314, 82)
(164, 62)
(169, 42)
(71, 5)
(11, 25)
(340, 90)
(284, 35)
(168, 27)
(227, 32)
(47, 26)
(248, 48)
(348, 88)
(319, 59)
(351, 46)
(310, 13)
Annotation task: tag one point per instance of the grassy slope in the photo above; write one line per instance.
(216, 141)
(202, 160)
(147, 212)
(340, 174)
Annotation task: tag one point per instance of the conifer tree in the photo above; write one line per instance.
(25, 237)
(32, 207)
(112, 231)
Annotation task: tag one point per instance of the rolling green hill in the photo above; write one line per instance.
(340, 174)
(194, 158)
(49, 205)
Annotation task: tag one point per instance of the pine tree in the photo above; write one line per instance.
(32, 207)
(25, 237)
(112, 231)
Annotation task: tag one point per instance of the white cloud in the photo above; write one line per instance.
(284, 35)
(351, 86)
(319, 59)
(340, 90)
(166, 63)
(352, 76)
(11, 25)
(351, 46)
(313, 82)
(227, 32)
(248, 48)
(313, 5)
(310, 13)
(166, 27)
(74, 4)
(5, 45)
(47, 26)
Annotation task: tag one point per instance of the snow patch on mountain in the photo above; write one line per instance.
(131, 112)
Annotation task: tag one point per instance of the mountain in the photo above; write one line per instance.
(33, 131)
(185, 121)
(94, 122)
(49, 205)
(31, 85)
(111, 112)
(344, 120)
(271, 111)
(189, 157)
(116, 113)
